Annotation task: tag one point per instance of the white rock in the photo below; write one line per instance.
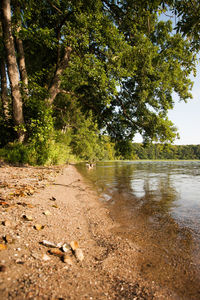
(45, 257)
(66, 248)
(49, 244)
(79, 254)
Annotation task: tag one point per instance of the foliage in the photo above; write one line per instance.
(188, 13)
(123, 69)
(161, 151)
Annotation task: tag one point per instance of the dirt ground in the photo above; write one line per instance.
(55, 204)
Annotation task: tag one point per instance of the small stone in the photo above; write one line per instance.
(48, 244)
(3, 247)
(8, 239)
(55, 206)
(2, 268)
(79, 254)
(19, 261)
(66, 248)
(38, 227)
(45, 257)
(67, 259)
(56, 251)
(30, 192)
(47, 213)
(59, 245)
(74, 245)
(27, 217)
(6, 223)
(52, 198)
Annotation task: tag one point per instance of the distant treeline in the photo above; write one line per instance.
(161, 151)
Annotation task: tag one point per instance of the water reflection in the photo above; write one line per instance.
(156, 187)
(157, 205)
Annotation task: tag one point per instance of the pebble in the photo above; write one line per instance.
(27, 217)
(8, 239)
(79, 254)
(6, 223)
(66, 248)
(74, 245)
(45, 257)
(55, 206)
(56, 251)
(48, 244)
(67, 259)
(38, 227)
(47, 213)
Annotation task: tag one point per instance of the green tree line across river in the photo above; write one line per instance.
(80, 78)
(134, 151)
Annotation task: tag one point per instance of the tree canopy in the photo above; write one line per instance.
(114, 63)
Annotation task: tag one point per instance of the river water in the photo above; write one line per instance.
(157, 206)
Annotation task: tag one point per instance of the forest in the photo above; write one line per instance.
(80, 78)
(134, 151)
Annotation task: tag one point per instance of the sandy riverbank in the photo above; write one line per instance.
(69, 211)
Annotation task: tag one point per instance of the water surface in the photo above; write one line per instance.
(157, 205)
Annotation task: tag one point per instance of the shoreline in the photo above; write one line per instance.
(67, 210)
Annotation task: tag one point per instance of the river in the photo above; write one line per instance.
(157, 205)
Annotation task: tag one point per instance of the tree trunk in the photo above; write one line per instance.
(4, 90)
(22, 64)
(56, 82)
(12, 69)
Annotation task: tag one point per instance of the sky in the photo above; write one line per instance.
(186, 116)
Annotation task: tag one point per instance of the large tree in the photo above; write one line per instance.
(113, 58)
(12, 68)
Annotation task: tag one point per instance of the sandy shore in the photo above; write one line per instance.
(57, 205)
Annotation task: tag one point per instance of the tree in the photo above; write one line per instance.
(12, 69)
(159, 63)
(188, 13)
(4, 90)
(116, 61)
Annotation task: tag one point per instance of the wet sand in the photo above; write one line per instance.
(115, 266)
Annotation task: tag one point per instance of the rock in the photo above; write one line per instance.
(67, 259)
(55, 206)
(3, 247)
(52, 198)
(6, 223)
(57, 252)
(38, 227)
(47, 213)
(8, 239)
(45, 257)
(30, 192)
(59, 245)
(27, 218)
(2, 268)
(48, 244)
(66, 248)
(74, 245)
(79, 254)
